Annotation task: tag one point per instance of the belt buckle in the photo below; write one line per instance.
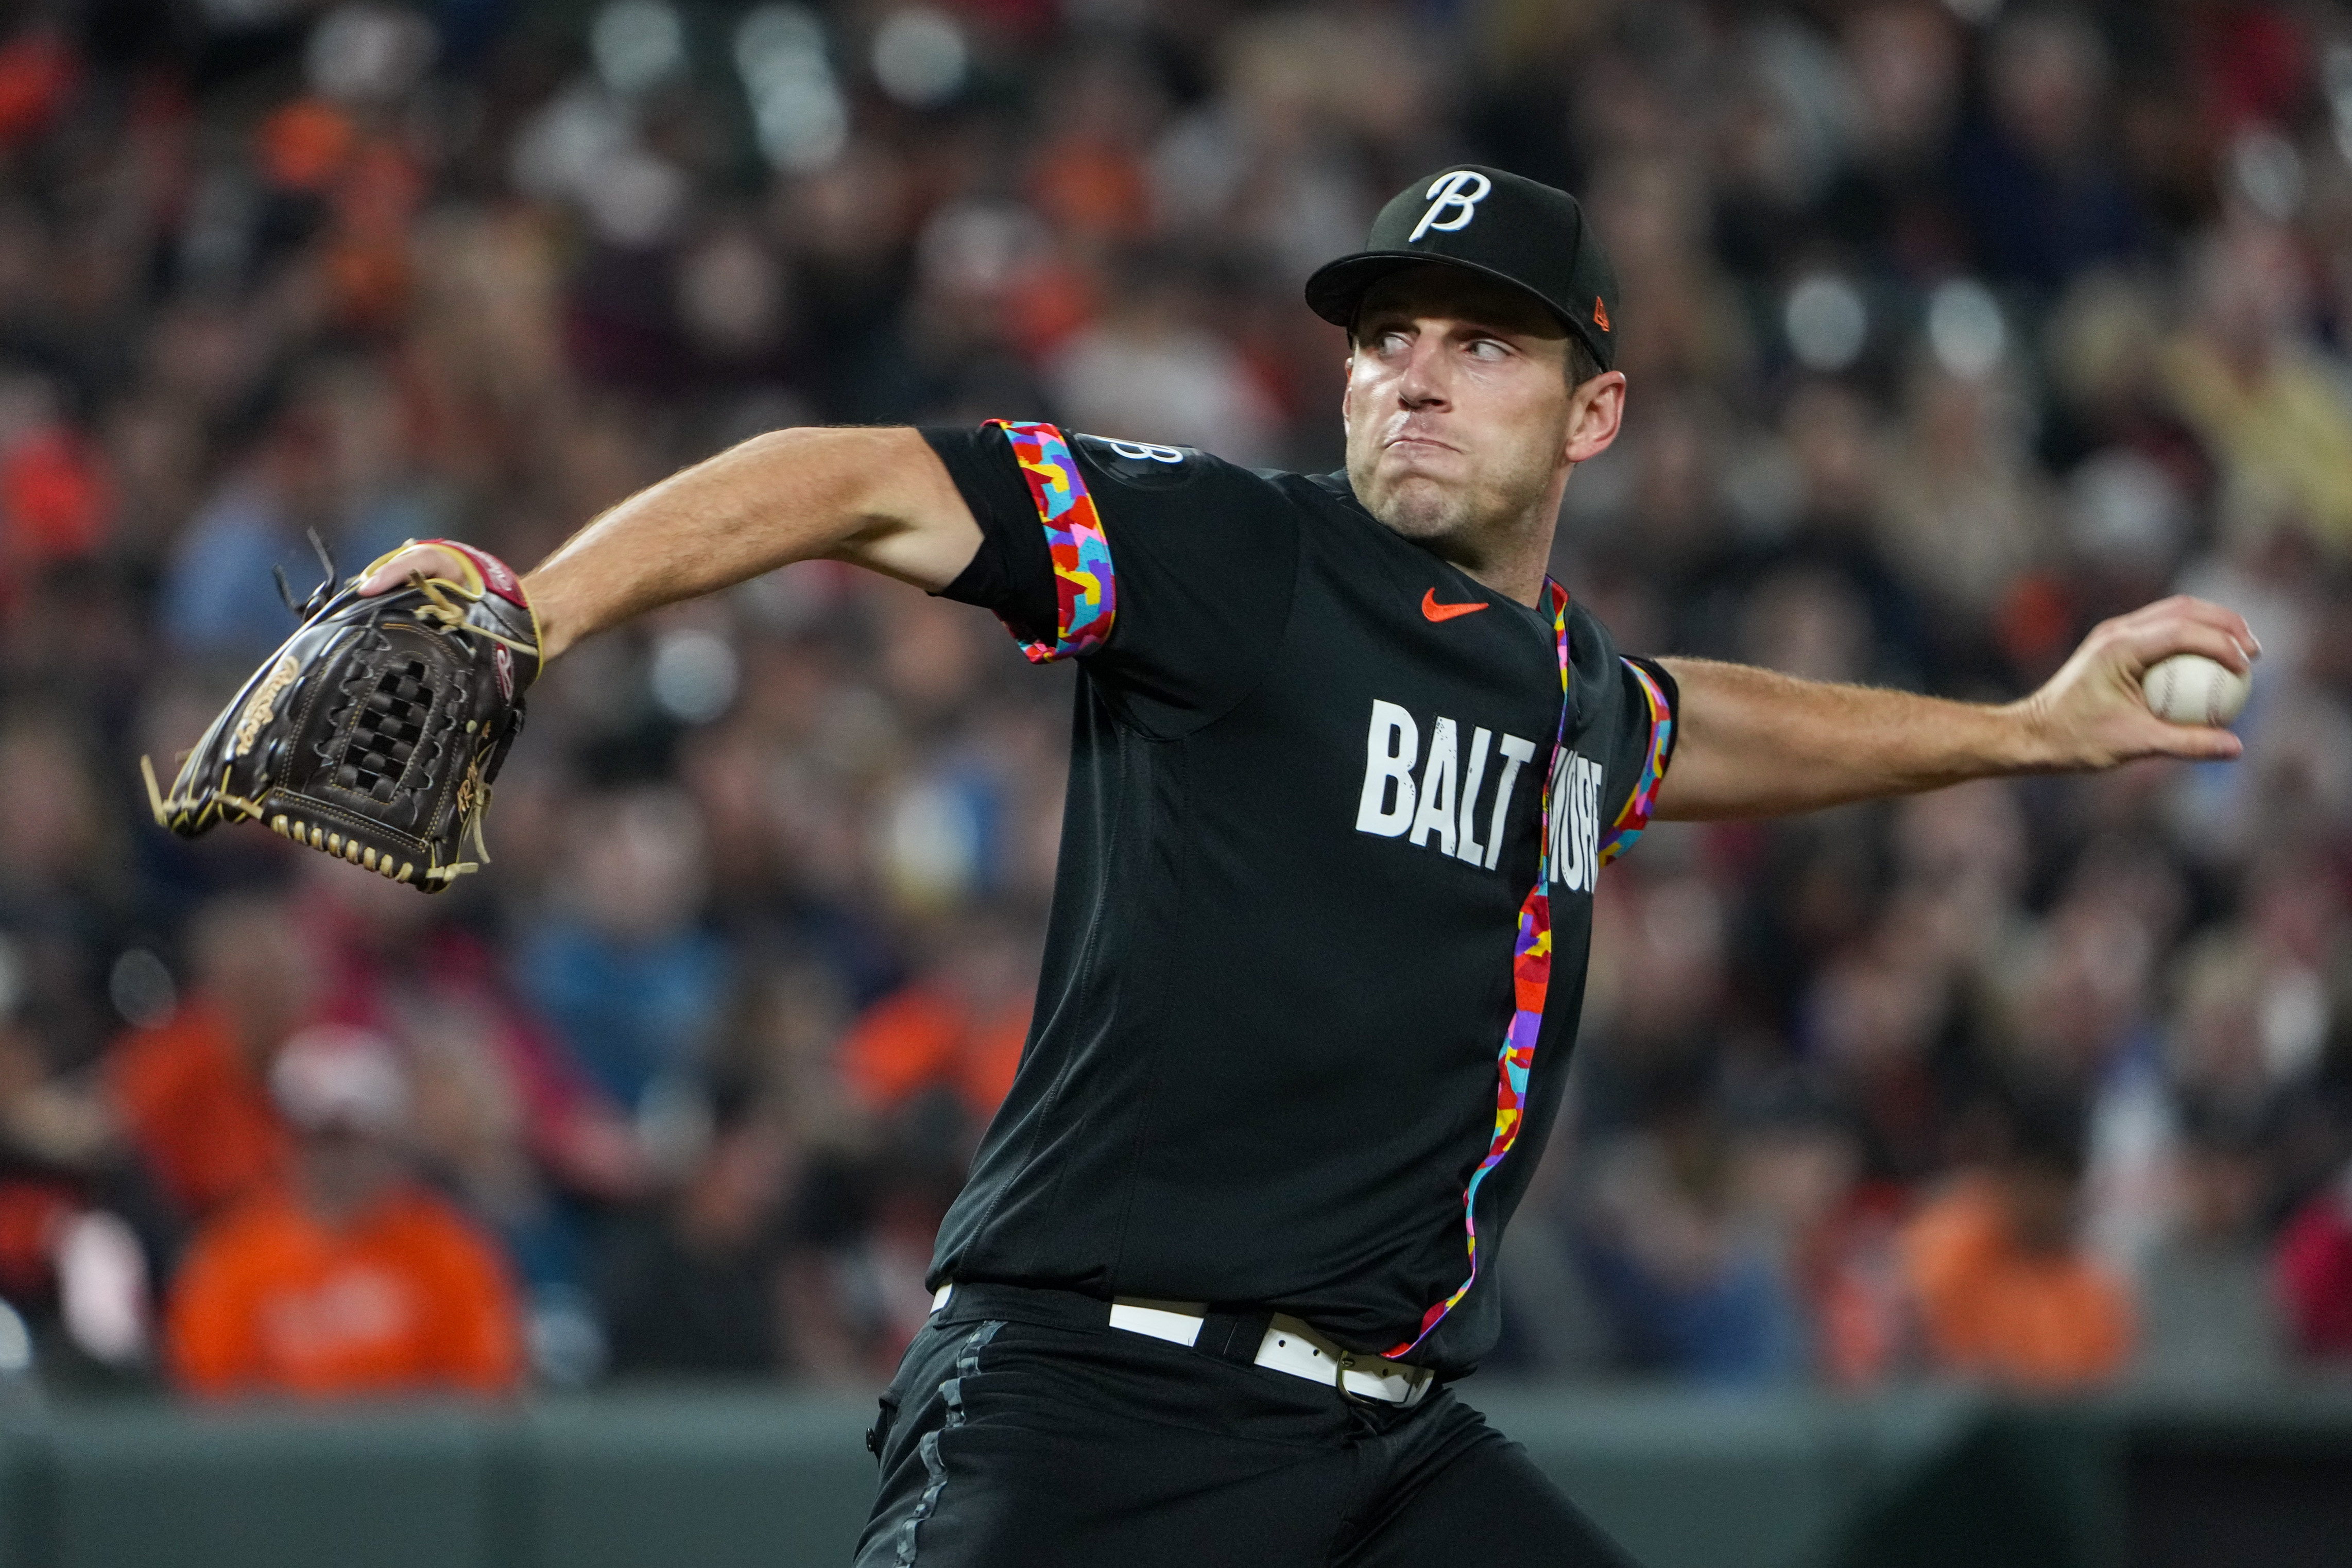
(1342, 1364)
(1349, 1361)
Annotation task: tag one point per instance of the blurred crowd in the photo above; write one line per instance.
(1952, 326)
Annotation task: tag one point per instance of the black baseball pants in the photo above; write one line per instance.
(1024, 1432)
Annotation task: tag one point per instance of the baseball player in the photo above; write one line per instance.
(1344, 769)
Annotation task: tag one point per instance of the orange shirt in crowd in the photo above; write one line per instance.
(917, 1038)
(199, 1116)
(1990, 1306)
(407, 1298)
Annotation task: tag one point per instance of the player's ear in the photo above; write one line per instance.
(1596, 413)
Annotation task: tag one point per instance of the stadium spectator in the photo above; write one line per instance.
(351, 1279)
(695, 1283)
(2267, 402)
(69, 900)
(953, 1032)
(625, 972)
(500, 1113)
(1689, 1291)
(2314, 1271)
(192, 1091)
(218, 599)
(2209, 1306)
(2037, 185)
(2005, 1290)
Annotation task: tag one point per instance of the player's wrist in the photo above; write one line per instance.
(491, 602)
(490, 575)
(2026, 737)
(548, 613)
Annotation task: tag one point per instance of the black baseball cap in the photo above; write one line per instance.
(1487, 221)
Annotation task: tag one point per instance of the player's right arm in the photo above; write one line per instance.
(879, 498)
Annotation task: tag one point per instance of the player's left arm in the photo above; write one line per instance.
(1753, 743)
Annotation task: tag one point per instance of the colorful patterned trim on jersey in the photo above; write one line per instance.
(1530, 983)
(1644, 798)
(1086, 589)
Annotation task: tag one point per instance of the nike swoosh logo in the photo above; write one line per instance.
(1436, 612)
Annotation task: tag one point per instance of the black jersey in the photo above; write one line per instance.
(1279, 1057)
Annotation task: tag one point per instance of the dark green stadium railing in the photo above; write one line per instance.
(688, 1479)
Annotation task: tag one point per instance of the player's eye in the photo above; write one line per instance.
(1486, 349)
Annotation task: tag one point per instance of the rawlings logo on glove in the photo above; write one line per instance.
(375, 733)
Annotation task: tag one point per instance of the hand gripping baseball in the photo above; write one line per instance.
(2094, 712)
(375, 731)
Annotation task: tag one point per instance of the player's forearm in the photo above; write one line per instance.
(1754, 743)
(878, 498)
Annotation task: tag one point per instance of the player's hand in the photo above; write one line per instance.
(428, 561)
(2093, 713)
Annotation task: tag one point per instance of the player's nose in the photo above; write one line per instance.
(1423, 381)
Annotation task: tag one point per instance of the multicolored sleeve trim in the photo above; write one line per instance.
(1644, 798)
(1085, 586)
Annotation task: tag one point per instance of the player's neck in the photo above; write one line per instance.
(1519, 575)
(1509, 555)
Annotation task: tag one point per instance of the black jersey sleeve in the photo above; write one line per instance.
(1012, 575)
(1169, 572)
(1633, 704)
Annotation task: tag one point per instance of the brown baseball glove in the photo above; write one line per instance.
(375, 731)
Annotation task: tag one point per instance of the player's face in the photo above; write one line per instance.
(1460, 418)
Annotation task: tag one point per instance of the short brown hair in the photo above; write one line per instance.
(1583, 364)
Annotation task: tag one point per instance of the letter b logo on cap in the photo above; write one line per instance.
(1454, 202)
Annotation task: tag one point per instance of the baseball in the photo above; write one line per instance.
(2189, 688)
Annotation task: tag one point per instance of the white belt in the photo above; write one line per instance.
(1289, 1346)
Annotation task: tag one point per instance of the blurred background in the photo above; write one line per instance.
(1952, 326)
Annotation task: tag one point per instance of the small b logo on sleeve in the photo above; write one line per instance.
(1144, 464)
(1454, 195)
(1145, 452)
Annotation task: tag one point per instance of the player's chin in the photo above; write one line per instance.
(1419, 509)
